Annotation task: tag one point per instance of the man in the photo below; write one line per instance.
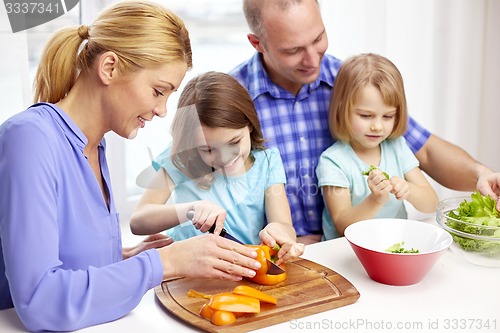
(290, 79)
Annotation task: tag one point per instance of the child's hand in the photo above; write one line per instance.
(275, 233)
(289, 251)
(379, 185)
(400, 188)
(206, 213)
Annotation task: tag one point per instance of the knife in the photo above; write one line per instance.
(272, 268)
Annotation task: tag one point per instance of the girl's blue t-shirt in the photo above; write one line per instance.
(340, 166)
(241, 196)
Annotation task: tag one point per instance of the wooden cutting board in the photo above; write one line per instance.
(309, 288)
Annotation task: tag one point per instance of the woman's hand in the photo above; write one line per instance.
(206, 213)
(208, 256)
(150, 242)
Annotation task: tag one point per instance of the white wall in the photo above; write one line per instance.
(448, 53)
(15, 88)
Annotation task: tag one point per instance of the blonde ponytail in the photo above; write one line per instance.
(57, 70)
(142, 34)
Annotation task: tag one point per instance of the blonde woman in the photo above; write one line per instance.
(62, 263)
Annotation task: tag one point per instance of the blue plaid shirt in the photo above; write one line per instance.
(298, 126)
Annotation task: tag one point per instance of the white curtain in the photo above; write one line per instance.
(15, 88)
(448, 53)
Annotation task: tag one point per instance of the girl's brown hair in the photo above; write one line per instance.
(356, 73)
(141, 33)
(212, 99)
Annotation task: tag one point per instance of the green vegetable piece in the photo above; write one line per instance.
(372, 167)
(274, 257)
(398, 248)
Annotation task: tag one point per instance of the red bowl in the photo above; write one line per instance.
(370, 240)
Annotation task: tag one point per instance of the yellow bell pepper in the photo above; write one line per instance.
(264, 252)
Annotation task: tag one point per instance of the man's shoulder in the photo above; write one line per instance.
(330, 66)
(252, 75)
(246, 70)
(330, 59)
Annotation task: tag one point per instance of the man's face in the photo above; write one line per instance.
(294, 44)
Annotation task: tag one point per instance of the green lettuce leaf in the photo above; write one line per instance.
(482, 217)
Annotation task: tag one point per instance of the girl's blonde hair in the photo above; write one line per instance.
(215, 100)
(141, 33)
(356, 73)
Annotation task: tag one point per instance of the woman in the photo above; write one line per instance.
(62, 264)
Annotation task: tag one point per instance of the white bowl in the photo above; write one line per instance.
(371, 238)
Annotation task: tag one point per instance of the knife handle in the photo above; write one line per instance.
(212, 229)
(190, 215)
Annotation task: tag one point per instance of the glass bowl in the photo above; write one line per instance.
(478, 244)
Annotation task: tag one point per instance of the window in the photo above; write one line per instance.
(218, 38)
(219, 42)
(455, 52)
(20, 56)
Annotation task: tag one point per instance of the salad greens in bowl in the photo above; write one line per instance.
(474, 224)
(397, 252)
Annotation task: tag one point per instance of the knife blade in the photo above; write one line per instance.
(272, 268)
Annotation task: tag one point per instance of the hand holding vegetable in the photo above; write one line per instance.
(276, 234)
(214, 257)
(489, 184)
(379, 185)
(265, 253)
(372, 167)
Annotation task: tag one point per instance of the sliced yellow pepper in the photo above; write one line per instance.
(234, 303)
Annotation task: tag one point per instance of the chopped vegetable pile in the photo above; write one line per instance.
(223, 308)
(372, 167)
(398, 248)
(482, 218)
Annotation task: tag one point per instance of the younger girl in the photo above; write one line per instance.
(368, 117)
(217, 166)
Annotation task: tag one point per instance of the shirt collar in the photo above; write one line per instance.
(260, 82)
(72, 131)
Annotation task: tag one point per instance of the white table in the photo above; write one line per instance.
(455, 296)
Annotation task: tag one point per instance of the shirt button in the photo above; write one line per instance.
(307, 176)
(303, 139)
(311, 213)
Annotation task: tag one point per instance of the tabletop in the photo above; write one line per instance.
(455, 296)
